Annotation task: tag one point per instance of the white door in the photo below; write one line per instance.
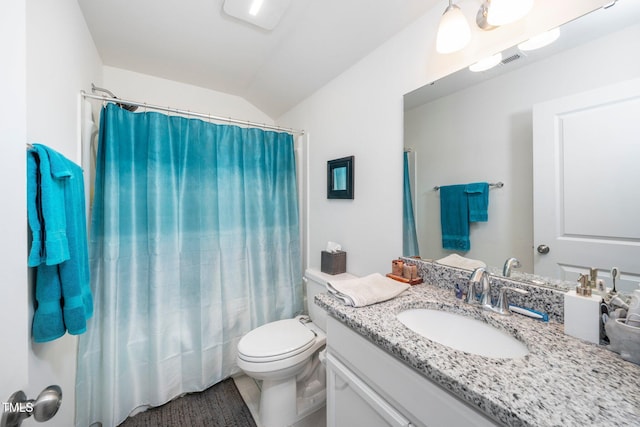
(14, 334)
(586, 158)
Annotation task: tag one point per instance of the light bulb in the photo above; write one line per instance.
(541, 40)
(453, 32)
(486, 63)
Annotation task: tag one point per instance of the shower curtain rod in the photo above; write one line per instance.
(192, 114)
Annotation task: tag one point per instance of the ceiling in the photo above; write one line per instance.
(195, 42)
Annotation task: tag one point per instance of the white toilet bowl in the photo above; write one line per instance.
(284, 355)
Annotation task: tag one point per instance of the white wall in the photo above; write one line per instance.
(61, 60)
(155, 90)
(360, 113)
(495, 144)
(13, 129)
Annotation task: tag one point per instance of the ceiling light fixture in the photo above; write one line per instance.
(255, 7)
(541, 40)
(486, 63)
(263, 14)
(453, 31)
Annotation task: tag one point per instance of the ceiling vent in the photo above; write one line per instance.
(511, 58)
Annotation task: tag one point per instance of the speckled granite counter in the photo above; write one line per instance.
(561, 382)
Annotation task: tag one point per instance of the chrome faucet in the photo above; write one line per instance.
(481, 277)
(509, 265)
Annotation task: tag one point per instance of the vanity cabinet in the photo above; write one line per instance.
(368, 387)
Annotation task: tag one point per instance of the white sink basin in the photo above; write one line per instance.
(463, 333)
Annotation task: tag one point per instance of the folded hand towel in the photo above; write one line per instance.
(366, 290)
(455, 260)
(454, 217)
(478, 199)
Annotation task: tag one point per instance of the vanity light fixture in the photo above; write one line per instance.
(453, 31)
(541, 40)
(486, 63)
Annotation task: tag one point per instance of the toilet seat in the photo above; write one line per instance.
(275, 341)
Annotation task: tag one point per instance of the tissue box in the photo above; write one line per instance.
(333, 262)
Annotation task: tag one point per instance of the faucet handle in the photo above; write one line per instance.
(502, 306)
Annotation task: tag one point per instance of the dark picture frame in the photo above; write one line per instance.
(340, 178)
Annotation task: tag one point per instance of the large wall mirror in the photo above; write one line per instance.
(484, 127)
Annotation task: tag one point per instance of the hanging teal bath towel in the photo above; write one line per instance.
(56, 216)
(454, 217)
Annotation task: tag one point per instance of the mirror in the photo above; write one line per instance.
(340, 178)
(477, 127)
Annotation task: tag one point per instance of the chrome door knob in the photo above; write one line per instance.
(18, 408)
(543, 249)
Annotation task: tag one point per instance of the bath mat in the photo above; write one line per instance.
(220, 405)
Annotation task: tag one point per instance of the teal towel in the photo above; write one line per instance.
(46, 212)
(74, 273)
(48, 323)
(478, 199)
(63, 293)
(454, 217)
(34, 213)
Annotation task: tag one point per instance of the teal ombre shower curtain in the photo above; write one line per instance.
(409, 236)
(194, 242)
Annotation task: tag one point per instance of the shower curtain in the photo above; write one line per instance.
(194, 242)
(409, 238)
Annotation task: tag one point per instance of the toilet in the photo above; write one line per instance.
(286, 356)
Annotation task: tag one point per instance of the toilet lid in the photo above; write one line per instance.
(276, 340)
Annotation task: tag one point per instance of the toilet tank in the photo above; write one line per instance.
(316, 283)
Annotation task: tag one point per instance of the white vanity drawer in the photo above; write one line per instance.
(411, 394)
(351, 402)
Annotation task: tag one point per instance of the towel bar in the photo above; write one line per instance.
(498, 184)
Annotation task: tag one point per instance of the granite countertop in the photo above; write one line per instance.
(563, 381)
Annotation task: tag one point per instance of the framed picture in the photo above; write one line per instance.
(340, 178)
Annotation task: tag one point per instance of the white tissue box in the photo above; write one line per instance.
(582, 316)
(333, 262)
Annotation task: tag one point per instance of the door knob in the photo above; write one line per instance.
(18, 408)
(543, 249)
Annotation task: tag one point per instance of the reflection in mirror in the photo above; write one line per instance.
(340, 178)
(478, 127)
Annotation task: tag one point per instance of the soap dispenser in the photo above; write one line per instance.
(582, 310)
